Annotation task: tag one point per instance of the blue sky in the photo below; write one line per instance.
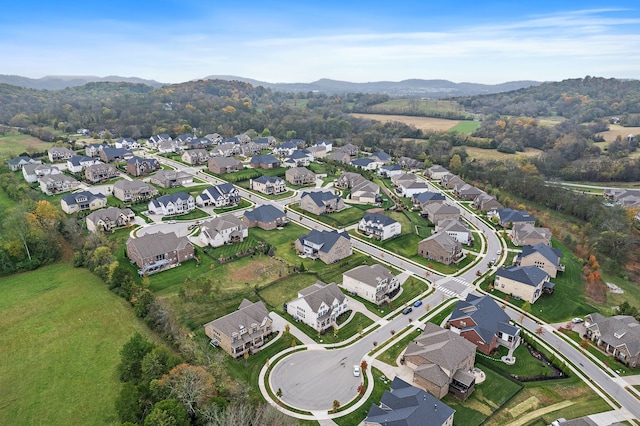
(285, 41)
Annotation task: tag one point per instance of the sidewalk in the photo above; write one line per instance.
(279, 324)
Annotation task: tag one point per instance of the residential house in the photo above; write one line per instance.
(172, 204)
(348, 180)
(223, 195)
(442, 362)
(250, 149)
(406, 405)
(59, 153)
(133, 190)
(171, 178)
(523, 282)
(409, 189)
(184, 138)
(525, 234)
(195, 156)
(374, 283)
(435, 212)
(126, 143)
(84, 200)
(225, 229)
(156, 252)
(226, 149)
(100, 172)
(618, 335)
(242, 331)
(321, 202)
(137, 166)
(410, 163)
(266, 141)
(403, 179)
(154, 141)
(94, 149)
(300, 176)
(456, 230)
(436, 172)
(77, 163)
(381, 158)
(318, 306)
(485, 202)
(33, 172)
(318, 151)
(55, 183)
(328, 246)
(365, 163)
(623, 197)
(17, 163)
(198, 143)
(350, 149)
(168, 146)
(220, 165)
(481, 321)
(213, 137)
(450, 181)
(441, 248)
(106, 220)
(339, 156)
(266, 161)
(390, 170)
(265, 217)
(509, 217)
(362, 190)
(466, 192)
(379, 226)
(543, 256)
(115, 154)
(286, 148)
(423, 199)
(328, 146)
(268, 185)
(298, 158)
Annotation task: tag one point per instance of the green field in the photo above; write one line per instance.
(420, 107)
(61, 331)
(466, 127)
(14, 143)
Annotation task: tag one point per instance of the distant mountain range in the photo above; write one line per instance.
(408, 88)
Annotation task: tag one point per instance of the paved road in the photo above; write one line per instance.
(331, 376)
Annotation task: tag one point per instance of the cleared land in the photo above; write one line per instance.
(58, 363)
(422, 123)
(616, 130)
(13, 144)
(492, 154)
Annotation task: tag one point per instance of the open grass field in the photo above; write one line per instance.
(422, 123)
(14, 143)
(616, 130)
(465, 126)
(61, 331)
(426, 107)
(493, 154)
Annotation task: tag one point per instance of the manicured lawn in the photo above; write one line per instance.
(357, 416)
(230, 250)
(243, 205)
(466, 126)
(391, 355)
(193, 190)
(192, 215)
(245, 184)
(340, 219)
(357, 324)
(525, 366)
(487, 397)
(410, 289)
(61, 331)
(285, 289)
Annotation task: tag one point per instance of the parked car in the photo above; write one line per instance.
(407, 310)
(171, 222)
(499, 252)
(356, 370)
(417, 303)
(577, 320)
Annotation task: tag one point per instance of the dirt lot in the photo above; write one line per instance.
(422, 123)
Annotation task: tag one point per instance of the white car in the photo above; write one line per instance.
(356, 370)
(577, 320)
(499, 252)
(171, 222)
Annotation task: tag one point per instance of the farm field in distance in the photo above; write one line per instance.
(13, 144)
(422, 123)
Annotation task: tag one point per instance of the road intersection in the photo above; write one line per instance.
(312, 379)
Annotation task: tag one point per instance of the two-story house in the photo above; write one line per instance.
(58, 153)
(159, 251)
(379, 226)
(195, 156)
(266, 161)
(109, 154)
(436, 172)
(328, 246)
(84, 200)
(55, 183)
(440, 247)
(318, 306)
(523, 282)
(321, 202)
(618, 335)
(137, 166)
(225, 229)
(100, 172)
(78, 163)
(525, 234)
(543, 256)
(242, 331)
(108, 219)
(17, 163)
(481, 321)
(509, 217)
(133, 190)
(436, 212)
(33, 172)
(171, 178)
(300, 176)
(265, 217)
(456, 230)
(374, 283)
(298, 158)
(220, 165)
(223, 195)
(172, 204)
(268, 185)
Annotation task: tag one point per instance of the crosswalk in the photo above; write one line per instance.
(454, 287)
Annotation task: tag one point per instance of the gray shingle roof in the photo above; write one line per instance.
(264, 159)
(150, 245)
(378, 218)
(618, 330)
(486, 313)
(423, 197)
(530, 275)
(369, 274)
(317, 294)
(510, 215)
(551, 254)
(407, 405)
(441, 347)
(72, 199)
(320, 198)
(265, 213)
(247, 315)
(325, 239)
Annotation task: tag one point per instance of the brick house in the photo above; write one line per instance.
(195, 156)
(265, 217)
(133, 190)
(100, 172)
(441, 248)
(328, 246)
(171, 178)
(137, 166)
(321, 202)
(300, 176)
(155, 252)
(220, 165)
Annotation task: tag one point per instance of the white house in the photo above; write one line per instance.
(226, 229)
(409, 189)
(78, 163)
(318, 305)
(374, 283)
(379, 226)
(172, 204)
(219, 196)
(33, 172)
